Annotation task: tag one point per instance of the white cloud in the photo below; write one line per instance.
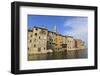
(79, 27)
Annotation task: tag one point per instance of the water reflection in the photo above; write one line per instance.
(59, 55)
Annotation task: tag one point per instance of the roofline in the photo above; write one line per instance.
(40, 28)
(29, 30)
(70, 36)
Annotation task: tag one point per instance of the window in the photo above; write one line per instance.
(39, 37)
(36, 28)
(31, 35)
(30, 40)
(39, 49)
(35, 34)
(34, 45)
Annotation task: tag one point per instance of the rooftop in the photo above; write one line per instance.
(50, 31)
(41, 28)
(29, 30)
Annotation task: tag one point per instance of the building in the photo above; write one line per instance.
(64, 40)
(40, 40)
(30, 34)
(64, 43)
(37, 40)
(70, 43)
(59, 41)
(54, 29)
(79, 44)
(51, 40)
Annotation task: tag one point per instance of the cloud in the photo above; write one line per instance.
(78, 27)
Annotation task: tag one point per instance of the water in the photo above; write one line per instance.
(76, 54)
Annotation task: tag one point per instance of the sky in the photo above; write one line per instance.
(76, 26)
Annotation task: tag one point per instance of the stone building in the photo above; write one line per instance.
(64, 43)
(59, 40)
(37, 40)
(30, 35)
(51, 40)
(70, 43)
(40, 40)
(79, 44)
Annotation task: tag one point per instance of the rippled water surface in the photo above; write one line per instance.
(76, 54)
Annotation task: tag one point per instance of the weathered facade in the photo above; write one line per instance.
(51, 40)
(79, 44)
(70, 43)
(37, 40)
(40, 40)
(58, 45)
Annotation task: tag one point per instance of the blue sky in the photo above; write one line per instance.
(76, 26)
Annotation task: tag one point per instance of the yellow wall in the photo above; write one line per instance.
(58, 40)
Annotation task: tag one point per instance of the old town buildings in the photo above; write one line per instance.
(37, 40)
(70, 43)
(41, 40)
(79, 44)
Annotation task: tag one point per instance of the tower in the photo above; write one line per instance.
(54, 28)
